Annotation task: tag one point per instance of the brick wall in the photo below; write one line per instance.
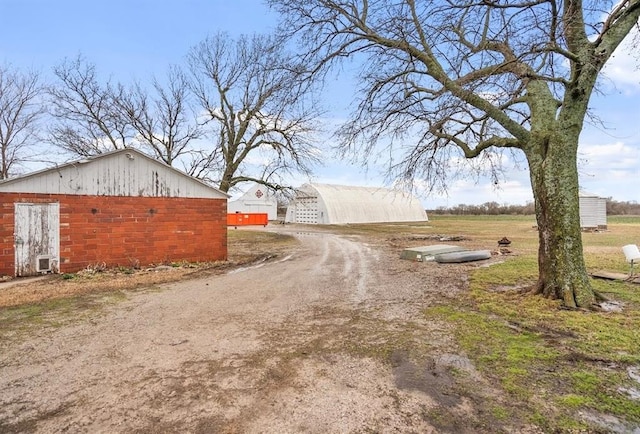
(125, 231)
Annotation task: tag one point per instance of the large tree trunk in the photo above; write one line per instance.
(225, 185)
(226, 182)
(554, 179)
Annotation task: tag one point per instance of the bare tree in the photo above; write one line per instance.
(472, 78)
(94, 116)
(88, 121)
(20, 111)
(253, 98)
(164, 122)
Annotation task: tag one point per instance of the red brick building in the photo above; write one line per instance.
(121, 208)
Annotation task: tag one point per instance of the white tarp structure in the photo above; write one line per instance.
(593, 211)
(258, 199)
(341, 204)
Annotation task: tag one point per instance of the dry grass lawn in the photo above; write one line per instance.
(245, 247)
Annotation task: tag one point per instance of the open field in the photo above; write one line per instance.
(421, 347)
(603, 249)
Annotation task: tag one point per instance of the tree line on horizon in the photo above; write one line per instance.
(614, 207)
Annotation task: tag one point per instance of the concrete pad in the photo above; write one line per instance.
(428, 253)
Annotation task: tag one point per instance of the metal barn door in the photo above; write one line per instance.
(37, 238)
(307, 210)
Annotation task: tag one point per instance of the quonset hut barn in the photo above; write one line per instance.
(121, 208)
(340, 204)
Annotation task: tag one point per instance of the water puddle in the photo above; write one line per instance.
(631, 392)
(310, 234)
(634, 373)
(610, 423)
(611, 306)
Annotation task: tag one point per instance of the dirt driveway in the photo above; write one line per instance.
(331, 339)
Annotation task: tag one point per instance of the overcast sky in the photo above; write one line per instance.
(133, 39)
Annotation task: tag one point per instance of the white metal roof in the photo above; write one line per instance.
(124, 172)
(583, 193)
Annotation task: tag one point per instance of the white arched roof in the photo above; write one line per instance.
(341, 204)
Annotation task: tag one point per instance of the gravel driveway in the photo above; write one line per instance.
(331, 339)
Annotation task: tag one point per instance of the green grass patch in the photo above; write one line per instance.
(536, 351)
(600, 391)
(500, 413)
(509, 355)
(54, 312)
(514, 271)
(573, 401)
(246, 236)
(623, 220)
(621, 291)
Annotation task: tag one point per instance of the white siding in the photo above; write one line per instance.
(120, 173)
(593, 211)
(258, 199)
(601, 212)
(338, 204)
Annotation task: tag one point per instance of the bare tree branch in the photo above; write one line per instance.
(88, 121)
(20, 111)
(165, 123)
(255, 104)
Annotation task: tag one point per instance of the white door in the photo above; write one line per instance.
(37, 238)
(307, 210)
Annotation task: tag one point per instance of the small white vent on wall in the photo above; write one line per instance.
(43, 264)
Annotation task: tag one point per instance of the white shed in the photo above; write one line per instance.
(593, 211)
(258, 199)
(341, 204)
